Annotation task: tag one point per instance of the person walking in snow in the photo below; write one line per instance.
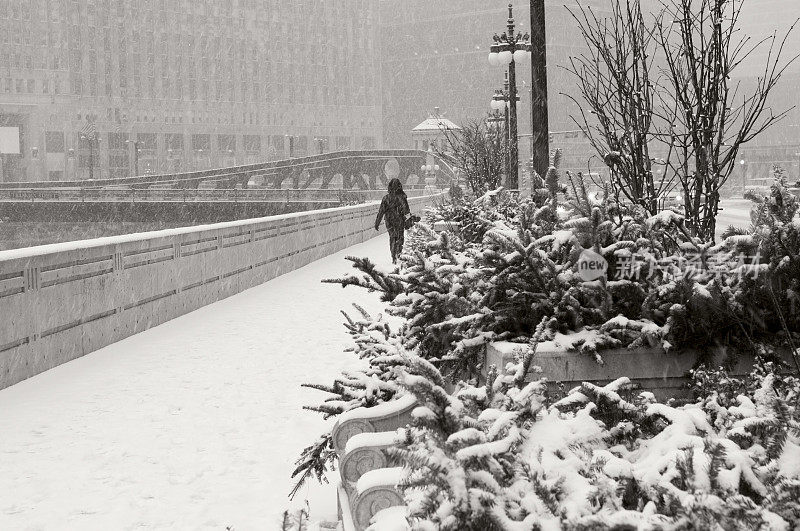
(394, 207)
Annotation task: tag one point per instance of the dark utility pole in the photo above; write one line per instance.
(540, 139)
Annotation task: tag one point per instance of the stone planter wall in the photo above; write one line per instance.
(662, 373)
(367, 479)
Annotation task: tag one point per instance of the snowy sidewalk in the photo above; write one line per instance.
(195, 424)
(735, 212)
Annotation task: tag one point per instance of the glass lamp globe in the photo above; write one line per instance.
(494, 59)
(505, 57)
(520, 56)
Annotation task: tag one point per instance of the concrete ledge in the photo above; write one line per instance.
(664, 374)
(384, 417)
(345, 514)
(376, 491)
(361, 437)
(61, 301)
(441, 226)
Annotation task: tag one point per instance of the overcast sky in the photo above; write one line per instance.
(760, 18)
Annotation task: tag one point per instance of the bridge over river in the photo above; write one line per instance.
(224, 194)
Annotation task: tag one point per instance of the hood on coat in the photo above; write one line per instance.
(395, 186)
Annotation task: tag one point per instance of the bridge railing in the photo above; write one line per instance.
(347, 164)
(313, 195)
(61, 301)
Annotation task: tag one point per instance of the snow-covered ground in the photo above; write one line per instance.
(195, 424)
(734, 212)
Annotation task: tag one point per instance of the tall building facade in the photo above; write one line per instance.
(106, 87)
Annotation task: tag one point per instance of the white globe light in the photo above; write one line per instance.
(494, 59)
(494, 105)
(520, 56)
(422, 168)
(436, 167)
(505, 57)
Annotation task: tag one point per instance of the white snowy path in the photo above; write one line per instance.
(734, 212)
(194, 424)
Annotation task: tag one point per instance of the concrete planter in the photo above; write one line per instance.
(367, 483)
(662, 373)
(441, 226)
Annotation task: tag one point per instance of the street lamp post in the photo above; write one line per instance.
(321, 141)
(497, 125)
(135, 144)
(291, 144)
(502, 100)
(91, 139)
(743, 164)
(430, 169)
(798, 166)
(72, 172)
(35, 156)
(508, 49)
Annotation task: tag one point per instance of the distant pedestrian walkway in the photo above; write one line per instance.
(194, 424)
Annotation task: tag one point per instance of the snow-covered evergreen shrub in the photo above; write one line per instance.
(759, 303)
(497, 457)
(662, 288)
(471, 218)
(294, 520)
(380, 346)
(457, 295)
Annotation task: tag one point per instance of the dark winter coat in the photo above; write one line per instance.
(394, 207)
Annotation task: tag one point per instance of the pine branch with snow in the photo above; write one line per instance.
(383, 349)
(372, 279)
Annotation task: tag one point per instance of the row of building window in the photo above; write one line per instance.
(55, 142)
(186, 12)
(230, 91)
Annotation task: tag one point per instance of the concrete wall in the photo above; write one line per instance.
(665, 374)
(61, 301)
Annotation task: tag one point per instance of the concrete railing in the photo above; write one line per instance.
(61, 301)
(351, 167)
(194, 195)
(665, 374)
(367, 483)
(361, 437)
